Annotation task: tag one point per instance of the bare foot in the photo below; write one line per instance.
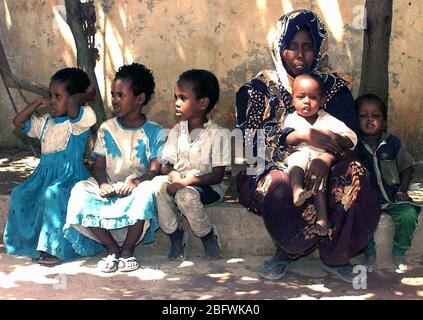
(300, 196)
(321, 229)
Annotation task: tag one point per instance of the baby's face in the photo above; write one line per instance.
(307, 97)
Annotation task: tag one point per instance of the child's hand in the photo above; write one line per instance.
(91, 91)
(107, 190)
(401, 196)
(176, 185)
(43, 101)
(127, 188)
(174, 176)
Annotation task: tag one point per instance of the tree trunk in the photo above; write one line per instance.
(376, 40)
(85, 60)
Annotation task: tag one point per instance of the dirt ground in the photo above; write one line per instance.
(15, 166)
(230, 278)
(233, 278)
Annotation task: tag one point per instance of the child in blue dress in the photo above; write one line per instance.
(38, 206)
(116, 207)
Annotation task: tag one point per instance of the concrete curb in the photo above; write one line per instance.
(243, 233)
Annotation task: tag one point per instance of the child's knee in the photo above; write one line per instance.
(160, 184)
(409, 215)
(187, 195)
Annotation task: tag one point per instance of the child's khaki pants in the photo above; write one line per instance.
(187, 201)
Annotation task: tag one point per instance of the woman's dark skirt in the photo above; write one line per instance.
(353, 212)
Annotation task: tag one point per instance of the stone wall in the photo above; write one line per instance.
(228, 37)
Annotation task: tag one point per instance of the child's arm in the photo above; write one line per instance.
(75, 101)
(215, 177)
(129, 186)
(405, 179)
(404, 162)
(26, 113)
(323, 139)
(167, 169)
(100, 175)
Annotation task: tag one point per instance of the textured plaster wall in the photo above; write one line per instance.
(227, 37)
(406, 75)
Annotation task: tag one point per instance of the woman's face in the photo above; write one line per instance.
(299, 54)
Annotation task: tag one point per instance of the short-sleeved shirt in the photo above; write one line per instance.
(128, 151)
(211, 148)
(324, 121)
(54, 132)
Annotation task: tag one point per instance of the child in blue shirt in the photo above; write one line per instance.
(391, 168)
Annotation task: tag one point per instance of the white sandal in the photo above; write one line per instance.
(128, 264)
(108, 264)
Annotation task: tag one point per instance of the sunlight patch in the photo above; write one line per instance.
(362, 297)
(186, 264)
(235, 260)
(220, 275)
(319, 288)
(412, 281)
(303, 297)
(249, 279)
(173, 279)
(6, 282)
(147, 274)
(205, 297)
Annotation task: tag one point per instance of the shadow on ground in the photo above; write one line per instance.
(195, 279)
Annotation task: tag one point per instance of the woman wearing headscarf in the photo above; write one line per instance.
(261, 105)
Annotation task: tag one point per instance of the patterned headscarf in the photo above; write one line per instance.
(286, 28)
(278, 91)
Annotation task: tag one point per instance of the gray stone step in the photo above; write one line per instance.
(243, 233)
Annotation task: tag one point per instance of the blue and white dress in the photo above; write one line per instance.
(128, 153)
(38, 206)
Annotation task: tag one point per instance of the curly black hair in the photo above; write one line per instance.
(75, 79)
(205, 84)
(142, 79)
(370, 97)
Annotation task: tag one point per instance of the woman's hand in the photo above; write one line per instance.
(318, 172)
(176, 185)
(401, 196)
(127, 188)
(326, 139)
(107, 190)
